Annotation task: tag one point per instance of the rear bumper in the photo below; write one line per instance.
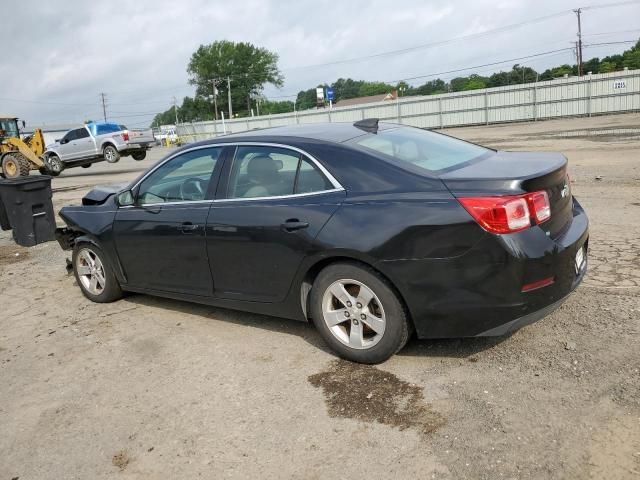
(132, 147)
(480, 292)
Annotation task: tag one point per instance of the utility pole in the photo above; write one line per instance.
(229, 97)
(215, 98)
(578, 11)
(103, 96)
(175, 109)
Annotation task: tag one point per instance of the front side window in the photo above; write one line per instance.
(428, 150)
(71, 135)
(259, 172)
(181, 179)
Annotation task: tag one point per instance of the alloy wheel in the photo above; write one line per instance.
(353, 313)
(90, 271)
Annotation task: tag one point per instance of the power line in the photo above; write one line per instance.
(609, 5)
(437, 43)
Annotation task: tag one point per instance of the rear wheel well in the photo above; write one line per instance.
(311, 275)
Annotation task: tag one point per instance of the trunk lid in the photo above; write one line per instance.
(515, 173)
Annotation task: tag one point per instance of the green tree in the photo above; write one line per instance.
(431, 87)
(631, 58)
(368, 89)
(457, 84)
(249, 67)
(345, 88)
(475, 82)
(606, 67)
(268, 107)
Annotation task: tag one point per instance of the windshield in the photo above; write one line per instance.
(9, 127)
(422, 148)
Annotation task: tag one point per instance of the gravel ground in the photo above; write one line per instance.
(155, 388)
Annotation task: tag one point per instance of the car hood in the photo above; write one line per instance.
(99, 195)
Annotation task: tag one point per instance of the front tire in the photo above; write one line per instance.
(94, 275)
(111, 154)
(53, 165)
(139, 155)
(15, 165)
(358, 313)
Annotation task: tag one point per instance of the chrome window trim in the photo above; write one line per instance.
(325, 172)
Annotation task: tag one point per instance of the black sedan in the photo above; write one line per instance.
(371, 230)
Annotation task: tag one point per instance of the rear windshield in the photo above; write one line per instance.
(104, 128)
(422, 148)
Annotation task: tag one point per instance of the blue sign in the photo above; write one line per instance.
(329, 94)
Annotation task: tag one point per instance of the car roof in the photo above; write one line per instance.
(337, 132)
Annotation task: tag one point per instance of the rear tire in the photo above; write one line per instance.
(15, 165)
(367, 325)
(53, 165)
(139, 155)
(94, 275)
(111, 154)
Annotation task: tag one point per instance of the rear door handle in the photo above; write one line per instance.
(188, 227)
(294, 224)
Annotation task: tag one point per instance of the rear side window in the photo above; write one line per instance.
(82, 133)
(260, 172)
(428, 150)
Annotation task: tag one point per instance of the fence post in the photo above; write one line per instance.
(590, 96)
(486, 108)
(440, 111)
(535, 102)
(398, 108)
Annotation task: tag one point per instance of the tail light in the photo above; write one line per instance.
(125, 136)
(508, 214)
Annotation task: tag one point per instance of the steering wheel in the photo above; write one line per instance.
(193, 189)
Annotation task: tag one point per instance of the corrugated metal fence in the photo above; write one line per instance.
(564, 97)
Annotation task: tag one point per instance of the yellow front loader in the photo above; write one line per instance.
(19, 156)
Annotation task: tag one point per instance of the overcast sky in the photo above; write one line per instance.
(58, 58)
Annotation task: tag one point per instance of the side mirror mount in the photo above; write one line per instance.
(63, 141)
(24, 124)
(125, 199)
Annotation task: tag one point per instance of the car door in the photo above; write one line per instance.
(275, 202)
(66, 148)
(83, 143)
(160, 239)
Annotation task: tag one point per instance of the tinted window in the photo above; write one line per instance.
(71, 135)
(262, 172)
(105, 128)
(428, 150)
(82, 133)
(310, 178)
(183, 178)
(271, 172)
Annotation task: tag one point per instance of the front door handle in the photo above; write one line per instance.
(294, 224)
(188, 227)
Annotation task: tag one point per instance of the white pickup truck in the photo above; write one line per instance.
(96, 142)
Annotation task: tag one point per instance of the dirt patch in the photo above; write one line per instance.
(12, 254)
(366, 393)
(121, 459)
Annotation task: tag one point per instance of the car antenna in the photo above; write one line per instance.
(369, 125)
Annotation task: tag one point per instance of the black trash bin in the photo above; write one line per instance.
(26, 208)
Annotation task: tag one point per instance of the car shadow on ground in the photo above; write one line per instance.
(457, 348)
